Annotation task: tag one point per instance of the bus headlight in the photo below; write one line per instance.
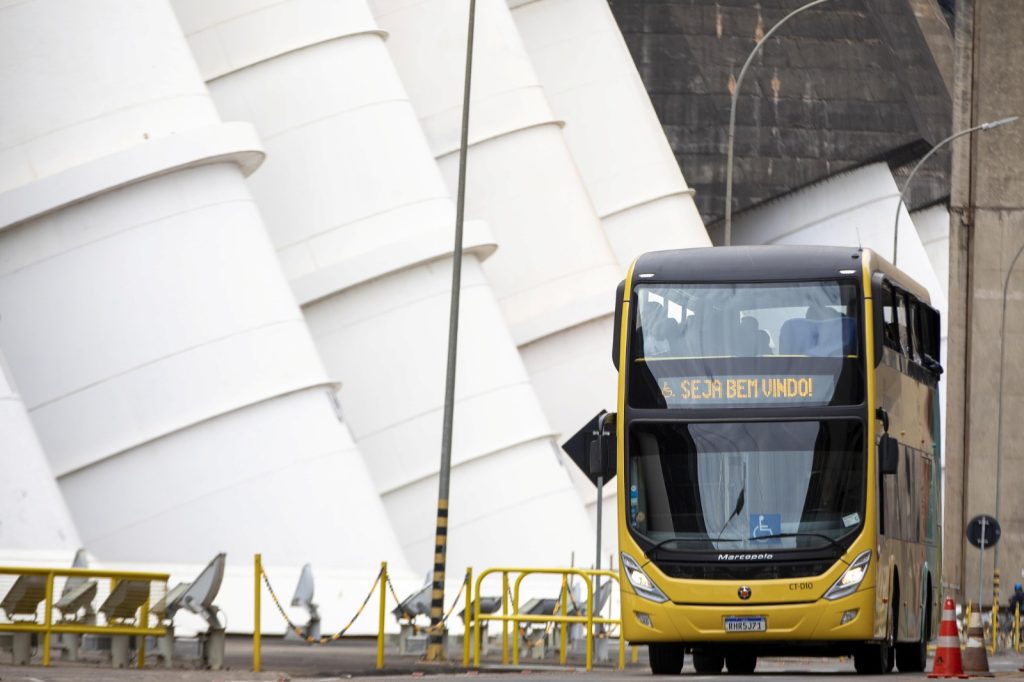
(851, 578)
(641, 582)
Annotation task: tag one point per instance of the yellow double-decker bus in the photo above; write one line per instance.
(777, 442)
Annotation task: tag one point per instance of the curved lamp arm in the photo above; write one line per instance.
(913, 172)
(732, 114)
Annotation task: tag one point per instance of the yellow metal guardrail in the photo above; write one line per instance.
(562, 617)
(382, 585)
(260, 576)
(48, 627)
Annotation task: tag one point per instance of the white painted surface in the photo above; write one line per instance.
(554, 270)
(624, 159)
(168, 372)
(849, 209)
(625, 162)
(363, 225)
(33, 515)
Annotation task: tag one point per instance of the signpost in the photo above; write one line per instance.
(592, 449)
(983, 531)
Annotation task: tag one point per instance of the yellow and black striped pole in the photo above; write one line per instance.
(435, 642)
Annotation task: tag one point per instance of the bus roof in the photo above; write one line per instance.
(765, 263)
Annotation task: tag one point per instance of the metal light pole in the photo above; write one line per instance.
(435, 645)
(732, 114)
(984, 126)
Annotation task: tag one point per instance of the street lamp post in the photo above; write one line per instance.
(984, 126)
(435, 644)
(732, 114)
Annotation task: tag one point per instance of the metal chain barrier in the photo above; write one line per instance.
(324, 639)
(440, 626)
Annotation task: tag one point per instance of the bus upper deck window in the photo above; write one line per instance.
(902, 323)
(889, 325)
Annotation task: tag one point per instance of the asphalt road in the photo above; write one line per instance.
(355, 658)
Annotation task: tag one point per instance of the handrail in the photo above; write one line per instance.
(48, 628)
(515, 617)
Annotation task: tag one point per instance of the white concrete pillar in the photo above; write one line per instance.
(616, 141)
(170, 375)
(856, 208)
(363, 226)
(33, 515)
(623, 156)
(555, 273)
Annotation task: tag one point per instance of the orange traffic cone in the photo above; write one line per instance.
(947, 647)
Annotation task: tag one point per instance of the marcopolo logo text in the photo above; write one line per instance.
(745, 557)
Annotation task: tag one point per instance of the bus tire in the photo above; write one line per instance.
(741, 664)
(666, 659)
(912, 657)
(878, 658)
(708, 664)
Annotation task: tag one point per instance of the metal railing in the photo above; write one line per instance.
(561, 617)
(47, 628)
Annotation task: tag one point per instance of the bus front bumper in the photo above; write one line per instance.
(644, 621)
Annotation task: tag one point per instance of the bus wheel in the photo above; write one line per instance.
(913, 656)
(708, 664)
(666, 659)
(741, 664)
(876, 658)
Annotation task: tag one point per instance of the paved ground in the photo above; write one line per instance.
(355, 658)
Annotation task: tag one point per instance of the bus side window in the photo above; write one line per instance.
(902, 323)
(916, 331)
(891, 334)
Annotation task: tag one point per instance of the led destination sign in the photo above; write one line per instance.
(771, 389)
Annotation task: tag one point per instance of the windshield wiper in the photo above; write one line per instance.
(799, 535)
(664, 542)
(739, 503)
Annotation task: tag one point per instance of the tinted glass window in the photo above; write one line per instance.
(735, 485)
(752, 344)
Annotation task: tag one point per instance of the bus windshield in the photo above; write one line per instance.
(753, 486)
(746, 344)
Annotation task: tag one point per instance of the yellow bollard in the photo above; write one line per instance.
(383, 610)
(1016, 627)
(515, 625)
(563, 639)
(634, 654)
(590, 624)
(48, 619)
(476, 625)
(257, 566)
(504, 622)
(995, 610)
(466, 621)
(141, 639)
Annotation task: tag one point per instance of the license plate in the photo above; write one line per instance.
(745, 624)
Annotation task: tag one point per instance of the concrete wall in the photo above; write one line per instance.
(985, 463)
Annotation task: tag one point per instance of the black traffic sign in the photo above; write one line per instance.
(581, 449)
(983, 526)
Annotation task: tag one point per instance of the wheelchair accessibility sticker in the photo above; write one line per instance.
(765, 526)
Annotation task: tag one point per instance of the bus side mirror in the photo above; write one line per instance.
(602, 449)
(888, 454)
